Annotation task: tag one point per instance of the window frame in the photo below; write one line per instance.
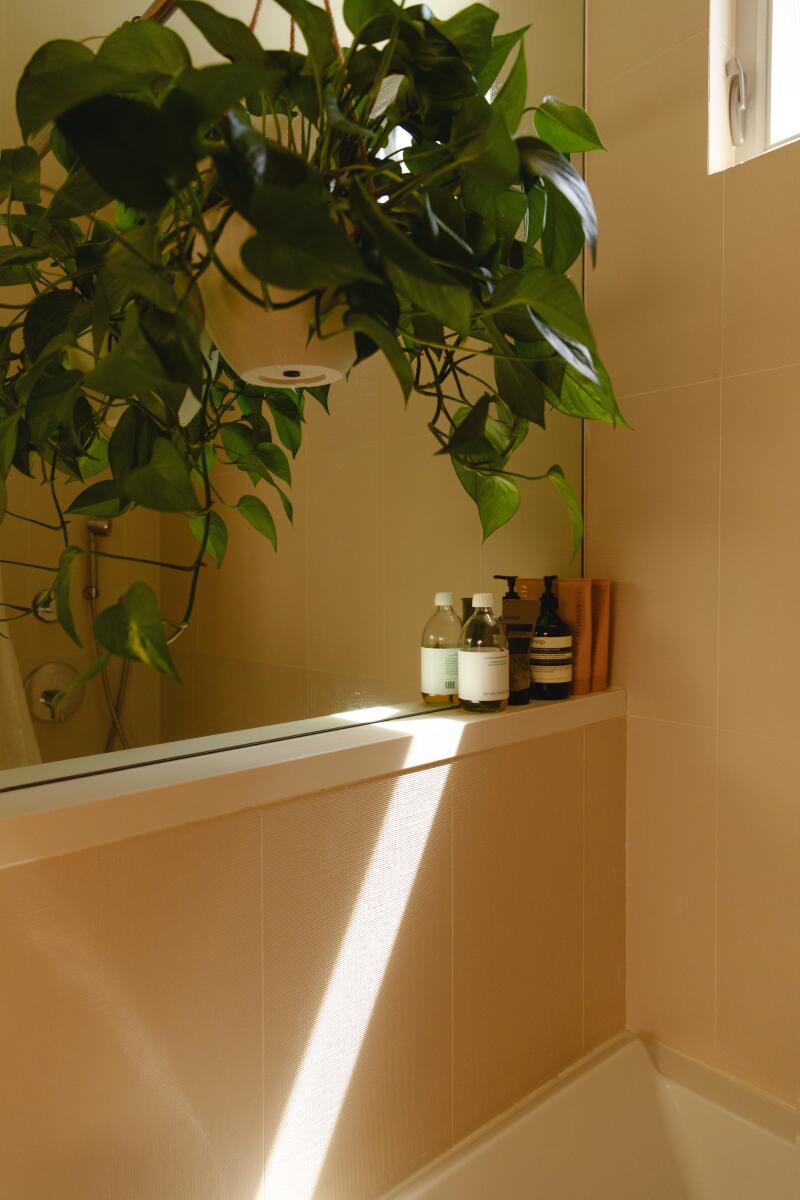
(741, 32)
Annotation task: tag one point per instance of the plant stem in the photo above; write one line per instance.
(62, 524)
(198, 562)
(149, 562)
(32, 520)
(14, 562)
(200, 225)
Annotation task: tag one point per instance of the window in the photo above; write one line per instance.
(755, 78)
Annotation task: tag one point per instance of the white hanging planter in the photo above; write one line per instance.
(269, 347)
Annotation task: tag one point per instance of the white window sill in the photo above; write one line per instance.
(60, 817)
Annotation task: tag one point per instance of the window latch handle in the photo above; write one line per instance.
(737, 100)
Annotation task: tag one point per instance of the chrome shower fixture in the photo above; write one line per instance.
(97, 527)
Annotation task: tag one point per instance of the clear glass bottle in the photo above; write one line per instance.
(439, 653)
(483, 659)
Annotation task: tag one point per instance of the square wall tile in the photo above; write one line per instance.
(132, 1031)
(345, 562)
(356, 411)
(762, 262)
(759, 568)
(671, 884)
(357, 986)
(517, 922)
(653, 528)
(622, 36)
(604, 882)
(655, 297)
(759, 902)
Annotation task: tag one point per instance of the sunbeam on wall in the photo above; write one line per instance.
(309, 1119)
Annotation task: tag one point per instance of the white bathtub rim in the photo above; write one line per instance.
(723, 1091)
(487, 1132)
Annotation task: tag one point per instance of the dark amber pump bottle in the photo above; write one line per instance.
(551, 650)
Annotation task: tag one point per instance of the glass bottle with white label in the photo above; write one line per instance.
(439, 653)
(551, 650)
(483, 659)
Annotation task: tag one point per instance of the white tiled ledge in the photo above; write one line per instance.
(73, 814)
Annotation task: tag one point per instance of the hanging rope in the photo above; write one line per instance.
(255, 16)
(334, 36)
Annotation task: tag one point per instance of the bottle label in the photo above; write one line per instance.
(439, 670)
(551, 659)
(483, 674)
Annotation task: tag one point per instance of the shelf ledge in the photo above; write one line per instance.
(63, 816)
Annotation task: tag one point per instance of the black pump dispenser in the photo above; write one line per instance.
(548, 598)
(551, 649)
(511, 580)
(518, 618)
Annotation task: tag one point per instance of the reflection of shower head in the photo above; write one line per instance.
(95, 528)
(99, 527)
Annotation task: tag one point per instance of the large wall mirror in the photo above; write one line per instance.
(331, 622)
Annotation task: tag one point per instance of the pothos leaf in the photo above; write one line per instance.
(386, 341)
(229, 37)
(498, 499)
(559, 481)
(133, 629)
(66, 565)
(217, 542)
(566, 127)
(258, 515)
(540, 161)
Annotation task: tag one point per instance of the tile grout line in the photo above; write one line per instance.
(583, 894)
(647, 62)
(711, 728)
(721, 409)
(721, 378)
(262, 998)
(452, 976)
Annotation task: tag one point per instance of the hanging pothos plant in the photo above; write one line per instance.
(384, 183)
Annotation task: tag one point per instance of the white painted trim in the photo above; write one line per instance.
(73, 814)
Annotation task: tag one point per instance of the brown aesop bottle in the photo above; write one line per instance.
(551, 650)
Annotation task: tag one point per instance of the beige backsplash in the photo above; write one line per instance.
(692, 513)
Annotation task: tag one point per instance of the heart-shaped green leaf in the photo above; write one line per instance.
(217, 541)
(98, 500)
(498, 501)
(134, 629)
(229, 37)
(162, 484)
(19, 175)
(258, 515)
(144, 48)
(566, 127)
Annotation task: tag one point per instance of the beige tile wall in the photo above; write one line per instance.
(333, 620)
(161, 995)
(695, 304)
